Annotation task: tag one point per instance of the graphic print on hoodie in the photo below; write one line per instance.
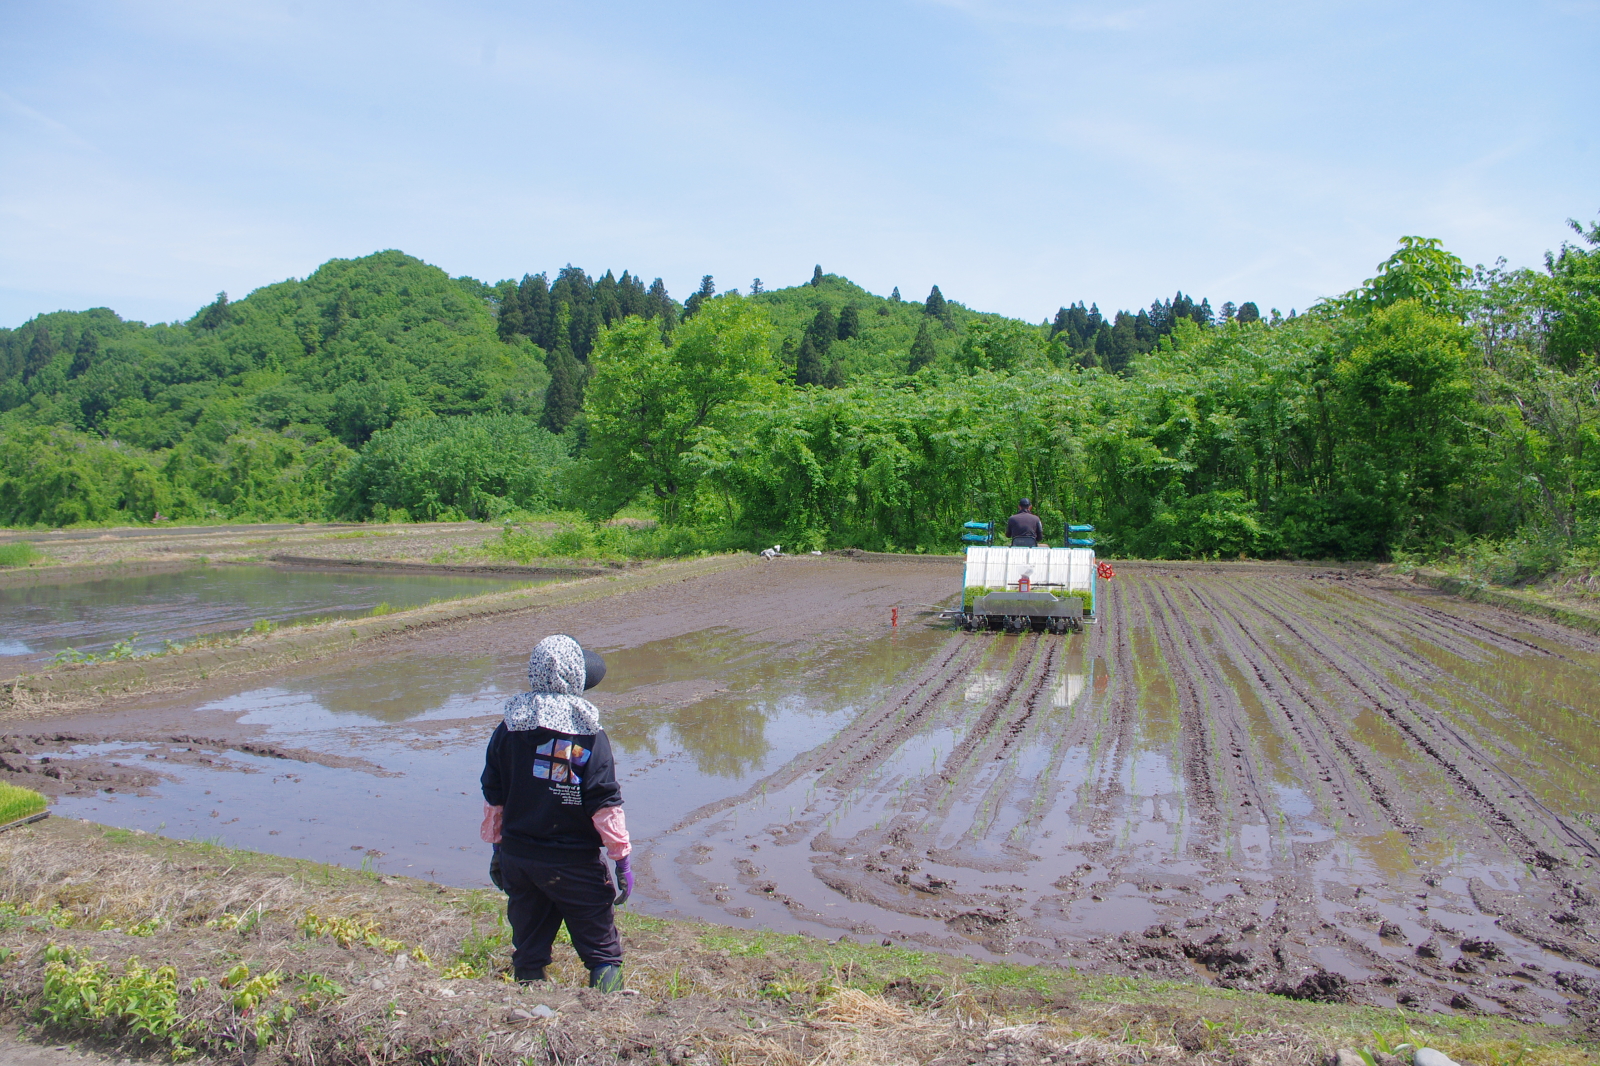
(544, 766)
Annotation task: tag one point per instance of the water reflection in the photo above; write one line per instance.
(40, 620)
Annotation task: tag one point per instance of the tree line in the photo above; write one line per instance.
(1430, 405)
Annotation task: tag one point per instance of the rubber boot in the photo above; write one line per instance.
(606, 978)
(525, 977)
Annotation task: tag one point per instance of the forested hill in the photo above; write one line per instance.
(253, 408)
(1429, 406)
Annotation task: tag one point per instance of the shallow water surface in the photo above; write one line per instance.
(147, 609)
(694, 720)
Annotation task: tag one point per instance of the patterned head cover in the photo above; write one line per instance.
(556, 676)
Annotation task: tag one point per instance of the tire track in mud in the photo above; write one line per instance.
(1467, 749)
(1182, 667)
(1348, 763)
(1413, 719)
(915, 700)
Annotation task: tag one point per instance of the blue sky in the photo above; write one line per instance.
(1019, 154)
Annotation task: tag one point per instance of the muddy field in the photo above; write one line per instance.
(1321, 782)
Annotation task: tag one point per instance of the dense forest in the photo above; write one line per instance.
(1430, 407)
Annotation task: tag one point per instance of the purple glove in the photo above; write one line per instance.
(624, 878)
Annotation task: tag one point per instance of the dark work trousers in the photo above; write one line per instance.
(570, 887)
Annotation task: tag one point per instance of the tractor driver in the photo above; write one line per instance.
(1024, 527)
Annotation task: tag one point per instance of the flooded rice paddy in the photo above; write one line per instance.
(147, 610)
(1289, 779)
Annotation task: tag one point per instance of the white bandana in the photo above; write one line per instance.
(556, 674)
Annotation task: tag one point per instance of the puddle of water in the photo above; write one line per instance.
(40, 620)
(751, 707)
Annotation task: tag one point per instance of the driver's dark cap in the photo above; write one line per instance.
(594, 669)
(1024, 502)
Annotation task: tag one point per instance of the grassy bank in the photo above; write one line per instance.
(176, 948)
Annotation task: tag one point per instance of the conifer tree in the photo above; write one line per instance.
(41, 350)
(835, 377)
(922, 348)
(706, 291)
(1248, 312)
(849, 323)
(1144, 332)
(934, 307)
(509, 323)
(538, 318)
(88, 351)
(630, 296)
(808, 369)
(816, 276)
(755, 288)
(607, 301)
(663, 308)
(824, 329)
(216, 314)
(1228, 311)
(895, 295)
(341, 312)
(564, 397)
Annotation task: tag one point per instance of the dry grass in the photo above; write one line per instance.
(704, 994)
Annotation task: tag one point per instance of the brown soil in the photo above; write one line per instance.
(1316, 782)
(137, 763)
(1296, 780)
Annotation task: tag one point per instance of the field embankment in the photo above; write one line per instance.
(233, 954)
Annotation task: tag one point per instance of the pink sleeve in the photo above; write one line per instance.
(613, 829)
(493, 820)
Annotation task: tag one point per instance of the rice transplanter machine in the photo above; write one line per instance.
(1039, 589)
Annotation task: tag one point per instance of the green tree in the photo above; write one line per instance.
(214, 315)
(1570, 297)
(922, 351)
(809, 367)
(1420, 270)
(849, 323)
(87, 352)
(816, 346)
(698, 298)
(1405, 401)
(472, 467)
(934, 307)
(648, 404)
(816, 276)
(41, 349)
(564, 398)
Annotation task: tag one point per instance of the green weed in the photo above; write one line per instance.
(86, 996)
(19, 553)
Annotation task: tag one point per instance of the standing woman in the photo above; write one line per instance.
(551, 801)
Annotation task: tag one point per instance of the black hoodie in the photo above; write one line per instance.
(550, 784)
